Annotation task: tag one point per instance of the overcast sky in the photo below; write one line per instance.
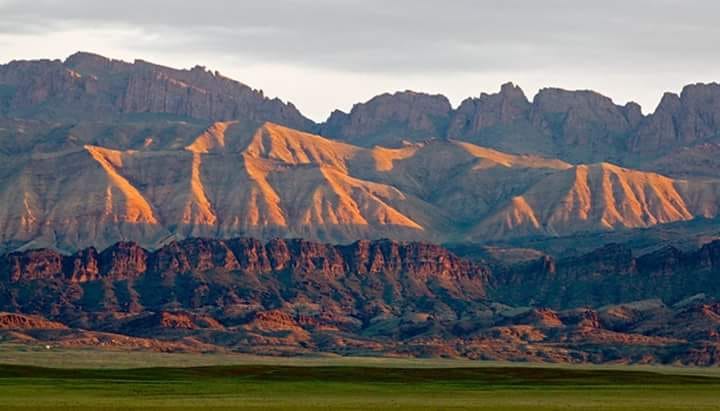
(327, 54)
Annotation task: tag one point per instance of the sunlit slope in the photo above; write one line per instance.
(599, 197)
(74, 198)
(276, 181)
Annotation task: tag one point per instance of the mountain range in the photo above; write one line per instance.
(150, 207)
(97, 151)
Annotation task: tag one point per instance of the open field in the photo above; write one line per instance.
(18, 354)
(255, 383)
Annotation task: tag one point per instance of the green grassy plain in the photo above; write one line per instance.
(87, 380)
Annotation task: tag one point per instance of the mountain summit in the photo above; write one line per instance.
(88, 86)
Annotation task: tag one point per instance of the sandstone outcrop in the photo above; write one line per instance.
(288, 297)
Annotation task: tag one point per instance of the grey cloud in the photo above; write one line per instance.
(410, 36)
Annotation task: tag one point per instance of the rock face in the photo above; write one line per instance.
(572, 125)
(576, 126)
(12, 321)
(293, 296)
(125, 260)
(377, 272)
(582, 123)
(692, 117)
(489, 110)
(359, 281)
(500, 121)
(582, 117)
(88, 85)
(612, 275)
(403, 116)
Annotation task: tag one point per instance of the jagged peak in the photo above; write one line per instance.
(512, 90)
(508, 90)
(196, 69)
(509, 86)
(85, 56)
(633, 112)
(570, 96)
(669, 99)
(89, 58)
(412, 93)
(33, 62)
(404, 95)
(690, 88)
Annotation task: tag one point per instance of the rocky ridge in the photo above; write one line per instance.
(611, 275)
(293, 297)
(88, 86)
(577, 126)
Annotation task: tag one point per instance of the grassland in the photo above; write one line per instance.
(81, 380)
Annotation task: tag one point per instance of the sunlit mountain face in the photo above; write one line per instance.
(98, 150)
